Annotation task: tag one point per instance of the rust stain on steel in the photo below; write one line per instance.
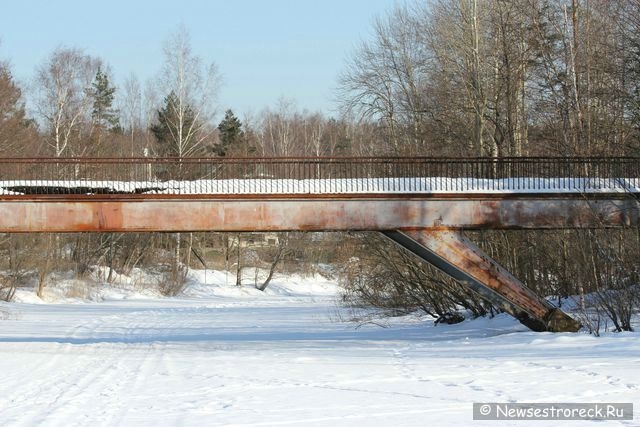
(560, 213)
(310, 214)
(467, 257)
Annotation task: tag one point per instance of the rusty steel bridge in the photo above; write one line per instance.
(423, 204)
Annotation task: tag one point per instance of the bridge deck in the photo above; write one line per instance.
(342, 186)
(296, 176)
(315, 194)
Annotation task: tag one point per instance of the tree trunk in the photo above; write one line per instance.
(272, 269)
(239, 263)
(43, 271)
(177, 271)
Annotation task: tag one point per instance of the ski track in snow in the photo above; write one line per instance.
(283, 361)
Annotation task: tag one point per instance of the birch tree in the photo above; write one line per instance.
(193, 88)
(131, 110)
(185, 122)
(513, 54)
(61, 98)
(458, 37)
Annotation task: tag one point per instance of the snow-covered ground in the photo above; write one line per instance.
(220, 355)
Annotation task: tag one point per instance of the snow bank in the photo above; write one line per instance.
(63, 288)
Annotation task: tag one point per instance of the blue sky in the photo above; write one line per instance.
(265, 50)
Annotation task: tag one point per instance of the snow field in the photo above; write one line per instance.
(221, 355)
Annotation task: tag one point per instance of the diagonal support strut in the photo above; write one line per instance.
(460, 258)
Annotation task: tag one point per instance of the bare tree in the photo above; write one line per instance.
(61, 97)
(278, 136)
(131, 110)
(459, 37)
(384, 80)
(382, 275)
(513, 54)
(185, 122)
(193, 88)
(280, 251)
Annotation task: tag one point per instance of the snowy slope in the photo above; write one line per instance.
(220, 355)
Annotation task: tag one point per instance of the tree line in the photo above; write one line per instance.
(437, 78)
(499, 79)
(460, 78)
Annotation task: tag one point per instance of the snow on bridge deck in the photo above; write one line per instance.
(321, 176)
(389, 186)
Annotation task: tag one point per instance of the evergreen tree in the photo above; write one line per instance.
(167, 129)
(103, 113)
(231, 133)
(15, 128)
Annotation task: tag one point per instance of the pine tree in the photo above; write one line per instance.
(167, 130)
(103, 113)
(231, 133)
(15, 128)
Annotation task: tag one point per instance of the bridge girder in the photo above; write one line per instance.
(99, 214)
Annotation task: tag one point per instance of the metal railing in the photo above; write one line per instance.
(43, 176)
